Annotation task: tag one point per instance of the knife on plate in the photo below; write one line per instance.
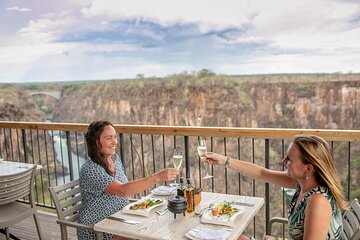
(129, 221)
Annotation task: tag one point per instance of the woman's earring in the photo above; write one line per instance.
(307, 177)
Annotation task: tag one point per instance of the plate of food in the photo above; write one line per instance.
(143, 206)
(222, 214)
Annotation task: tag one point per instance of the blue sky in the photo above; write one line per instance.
(114, 39)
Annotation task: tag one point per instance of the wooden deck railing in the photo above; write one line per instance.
(147, 149)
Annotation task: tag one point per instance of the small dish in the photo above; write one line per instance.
(223, 219)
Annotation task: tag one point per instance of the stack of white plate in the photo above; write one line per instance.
(164, 191)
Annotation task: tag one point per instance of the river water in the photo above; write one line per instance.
(61, 151)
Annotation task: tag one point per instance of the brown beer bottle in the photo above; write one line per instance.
(189, 194)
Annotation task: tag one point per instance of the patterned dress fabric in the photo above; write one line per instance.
(297, 216)
(97, 204)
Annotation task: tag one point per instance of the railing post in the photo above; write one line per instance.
(187, 162)
(5, 146)
(121, 150)
(267, 187)
(349, 172)
(23, 133)
(68, 143)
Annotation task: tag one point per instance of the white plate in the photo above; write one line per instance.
(225, 220)
(145, 211)
(164, 191)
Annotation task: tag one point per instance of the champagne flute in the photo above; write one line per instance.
(176, 160)
(201, 149)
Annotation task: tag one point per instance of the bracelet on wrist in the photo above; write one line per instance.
(227, 162)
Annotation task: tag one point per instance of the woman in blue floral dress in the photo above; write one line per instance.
(103, 183)
(315, 209)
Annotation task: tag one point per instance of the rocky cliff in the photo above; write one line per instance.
(329, 105)
(17, 105)
(216, 101)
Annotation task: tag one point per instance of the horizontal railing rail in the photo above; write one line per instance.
(145, 149)
(235, 132)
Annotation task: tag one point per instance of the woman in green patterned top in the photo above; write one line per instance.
(315, 209)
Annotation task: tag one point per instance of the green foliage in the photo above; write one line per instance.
(32, 87)
(355, 194)
(72, 86)
(140, 76)
(205, 73)
(356, 162)
(6, 86)
(341, 149)
(344, 183)
(41, 190)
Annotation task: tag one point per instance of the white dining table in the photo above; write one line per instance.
(166, 227)
(8, 168)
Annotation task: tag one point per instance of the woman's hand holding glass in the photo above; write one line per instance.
(167, 174)
(177, 161)
(201, 149)
(215, 159)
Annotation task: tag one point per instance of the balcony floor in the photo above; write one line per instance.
(26, 229)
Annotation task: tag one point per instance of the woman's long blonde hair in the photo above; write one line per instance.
(316, 151)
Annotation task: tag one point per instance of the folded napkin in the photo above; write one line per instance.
(204, 233)
(164, 190)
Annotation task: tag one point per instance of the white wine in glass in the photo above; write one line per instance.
(177, 160)
(201, 149)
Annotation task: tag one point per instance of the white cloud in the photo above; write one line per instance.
(49, 27)
(16, 8)
(208, 14)
(305, 24)
(293, 64)
(121, 38)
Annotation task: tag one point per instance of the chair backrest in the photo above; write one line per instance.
(67, 200)
(351, 221)
(16, 186)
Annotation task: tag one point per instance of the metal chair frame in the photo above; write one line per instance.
(12, 188)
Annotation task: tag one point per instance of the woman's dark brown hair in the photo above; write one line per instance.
(92, 137)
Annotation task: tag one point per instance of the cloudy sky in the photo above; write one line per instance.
(52, 40)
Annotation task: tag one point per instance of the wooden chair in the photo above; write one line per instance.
(67, 199)
(12, 188)
(351, 222)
